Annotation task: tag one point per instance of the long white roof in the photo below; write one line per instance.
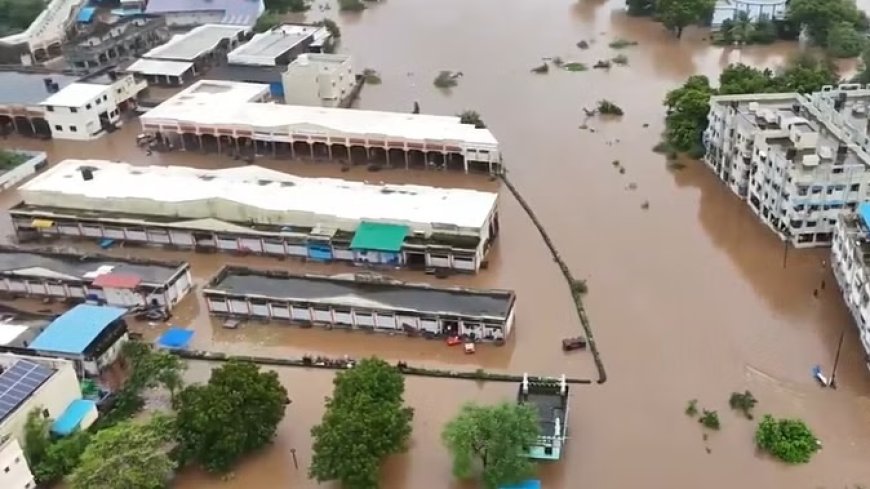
(116, 185)
(196, 42)
(197, 106)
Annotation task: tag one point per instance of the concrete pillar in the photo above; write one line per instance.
(311, 150)
(329, 151)
(292, 151)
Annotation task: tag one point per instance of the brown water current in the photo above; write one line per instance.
(688, 298)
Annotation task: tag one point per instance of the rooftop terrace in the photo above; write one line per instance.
(26, 88)
(15, 261)
(259, 194)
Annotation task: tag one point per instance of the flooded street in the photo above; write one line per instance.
(688, 299)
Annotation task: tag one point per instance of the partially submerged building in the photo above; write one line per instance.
(188, 55)
(92, 106)
(266, 56)
(325, 80)
(29, 383)
(850, 261)
(754, 10)
(107, 43)
(798, 160)
(250, 209)
(188, 13)
(16, 471)
(347, 135)
(44, 37)
(362, 302)
(20, 98)
(122, 282)
(549, 398)
(90, 336)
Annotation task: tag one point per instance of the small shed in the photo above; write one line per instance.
(120, 289)
(79, 415)
(175, 338)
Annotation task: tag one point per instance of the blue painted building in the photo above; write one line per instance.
(91, 336)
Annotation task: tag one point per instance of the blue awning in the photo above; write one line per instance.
(864, 213)
(72, 417)
(86, 15)
(529, 484)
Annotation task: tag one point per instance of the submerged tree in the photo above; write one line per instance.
(471, 117)
(496, 437)
(235, 413)
(786, 439)
(677, 14)
(365, 421)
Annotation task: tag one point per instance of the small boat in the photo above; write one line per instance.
(575, 343)
(818, 375)
(453, 341)
(469, 348)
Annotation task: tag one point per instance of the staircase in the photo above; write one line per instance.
(49, 27)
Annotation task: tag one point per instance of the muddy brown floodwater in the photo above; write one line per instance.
(688, 299)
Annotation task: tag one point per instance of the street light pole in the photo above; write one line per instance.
(837, 358)
(785, 243)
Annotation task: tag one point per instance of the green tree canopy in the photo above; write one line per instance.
(17, 15)
(283, 6)
(496, 437)
(267, 22)
(844, 41)
(677, 14)
(640, 7)
(365, 421)
(471, 117)
(818, 17)
(787, 439)
(331, 26)
(687, 109)
(863, 75)
(126, 456)
(238, 411)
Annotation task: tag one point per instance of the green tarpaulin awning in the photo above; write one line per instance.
(379, 237)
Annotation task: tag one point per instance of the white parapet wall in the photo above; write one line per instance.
(36, 162)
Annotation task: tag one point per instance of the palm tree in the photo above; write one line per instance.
(741, 28)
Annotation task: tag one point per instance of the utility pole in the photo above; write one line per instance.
(295, 462)
(833, 383)
(785, 243)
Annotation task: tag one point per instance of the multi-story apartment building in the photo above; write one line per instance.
(850, 255)
(798, 160)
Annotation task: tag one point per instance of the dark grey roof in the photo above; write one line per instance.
(251, 74)
(367, 295)
(26, 88)
(19, 382)
(78, 265)
(550, 405)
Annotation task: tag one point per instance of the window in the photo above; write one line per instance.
(73, 110)
(45, 413)
(88, 107)
(58, 127)
(104, 98)
(73, 128)
(97, 101)
(802, 190)
(6, 469)
(49, 108)
(855, 187)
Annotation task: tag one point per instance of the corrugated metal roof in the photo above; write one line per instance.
(242, 12)
(74, 331)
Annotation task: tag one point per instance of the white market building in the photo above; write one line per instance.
(348, 135)
(251, 209)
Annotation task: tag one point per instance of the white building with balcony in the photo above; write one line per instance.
(754, 10)
(85, 110)
(849, 261)
(798, 160)
(323, 80)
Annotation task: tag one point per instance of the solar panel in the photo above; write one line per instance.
(19, 382)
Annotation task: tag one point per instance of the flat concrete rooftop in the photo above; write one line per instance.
(74, 266)
(195, 43)
(354, 293)
(25, 88)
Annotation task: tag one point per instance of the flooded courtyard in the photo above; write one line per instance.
(689, 299)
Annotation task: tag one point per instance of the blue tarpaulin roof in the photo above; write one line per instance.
(864, 213)
(529, 484)
(72, 417)
(86, 15)
(75, 330)
(175, 338)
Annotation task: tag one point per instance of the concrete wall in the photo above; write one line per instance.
(36, 162)
(54, 395)
(14, 471)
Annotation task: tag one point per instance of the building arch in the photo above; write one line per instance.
(41, 127)
(359, 155)
(340, 153)
(302, 150)
(320, 151)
